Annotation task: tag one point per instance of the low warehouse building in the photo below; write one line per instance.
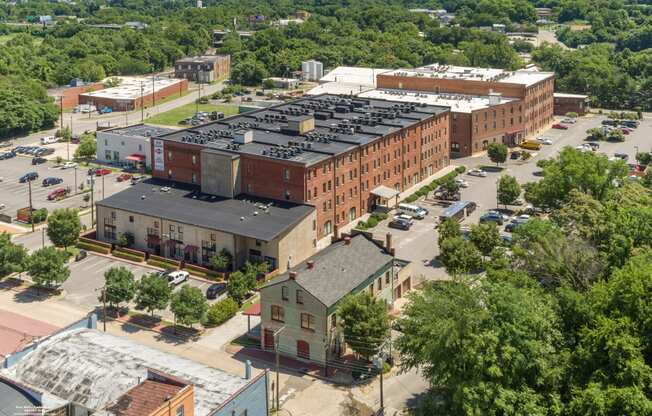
(570, 103)
(129, 145)
(134, 93)
(206, 68)
(180, 222)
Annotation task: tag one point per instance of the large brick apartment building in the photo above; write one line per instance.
(519, 104)
(338, 154)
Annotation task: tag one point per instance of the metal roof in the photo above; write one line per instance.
(384, 192)
(245, 216)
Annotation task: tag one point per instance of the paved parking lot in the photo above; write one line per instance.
(15, 195)
(87, 278)
(419, 244)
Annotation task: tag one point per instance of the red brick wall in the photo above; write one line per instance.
(71, 94)
(563, 105)
(270, 178)
(179, 164)
(117, 105)
(539, 106)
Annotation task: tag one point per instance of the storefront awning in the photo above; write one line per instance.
(385, 192)
(136, 158)
(253, 310)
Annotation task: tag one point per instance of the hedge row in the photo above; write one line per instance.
(170, 262)
(424, 190)
(131, 251)
(128, 256)
(161, 264)
(95, 242)
(93, 247)
(203, 271)
(372, 221)
(221, 312)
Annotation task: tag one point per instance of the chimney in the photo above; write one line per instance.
(293, 275)
(310, 264)
(347, 240)
(248, 370)
(388, 243)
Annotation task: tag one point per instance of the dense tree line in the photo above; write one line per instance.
(557, 325)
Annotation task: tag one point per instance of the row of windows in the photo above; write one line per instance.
(307, 320)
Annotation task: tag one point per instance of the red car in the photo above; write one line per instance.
(102, 172)
(57, 194)
(625, 131)
(123, 177)
(560, 126)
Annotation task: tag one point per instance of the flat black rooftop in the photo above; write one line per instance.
(141, 130)
(245, 216)
(342, 123)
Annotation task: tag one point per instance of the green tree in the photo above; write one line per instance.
(596, 134)
(152, 293)
(48, 267)
(508, 190)
(220, 312)
(120, 285)
(238, 286)
(644, 158)
(505, 339)
(497, 153)
(365, 323)
(64, 227)
(86, 149)
(222, 260)
(449, 228)
(188, 305)
(616, 136)
(459, 256)
(126, 239)
(12, 256)
(485, 237)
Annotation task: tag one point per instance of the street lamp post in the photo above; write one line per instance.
(277, 334)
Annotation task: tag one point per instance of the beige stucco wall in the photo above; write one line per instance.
(220, 174)
(292, 331)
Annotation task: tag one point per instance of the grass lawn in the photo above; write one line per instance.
(174, 116)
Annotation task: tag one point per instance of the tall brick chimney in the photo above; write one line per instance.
(310, 264)
(388, 243)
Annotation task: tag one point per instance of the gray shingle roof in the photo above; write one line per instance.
(339, 269)
(243, 216)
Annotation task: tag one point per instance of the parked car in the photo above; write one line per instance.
(595, 146)
(177, 277)
(49, 140)
(81, 255)
(400, 224)
(515, 154)
(622, 156)
(123, 177)
(215, 290)
(569, 121)
(58, 194)
(560, 126)
(43, 151)
(7, 143)
(30, 176)
(51, 181)
(530, 145)
(38, 160)
(106, 110)
(461, 183)
(137, 178)
(102, 172)
(69, 165)
(630, 123)
(492, 216)
(412, 211)
(7, 155)
(609, 122)
(477, 172)
(544, 140)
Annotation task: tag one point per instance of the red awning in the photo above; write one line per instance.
(136, 158)
(253, 310)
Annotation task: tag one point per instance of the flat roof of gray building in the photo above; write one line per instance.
(140, 130)
(342, 123)
(94, 368)
(338, 269)
(245, 216)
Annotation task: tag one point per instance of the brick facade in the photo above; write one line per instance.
(71, 94)
(136, 102)
(571, 104)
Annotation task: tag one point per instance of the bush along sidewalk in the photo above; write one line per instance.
(425, 190)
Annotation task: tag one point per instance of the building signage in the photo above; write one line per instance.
(159, 155)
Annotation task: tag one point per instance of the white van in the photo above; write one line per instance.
(49, 139)
(412, 210)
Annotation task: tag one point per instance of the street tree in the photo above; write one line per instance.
(188, 305)
(86, 149)
(497, 153)
(238, 286)
(365, 323)
(450, 187)
(48, 267)
(64, 227)
(492, 345)
(449, 228)
(508, 190)
(152, 293)
(644, 158)
(120, 285)
(13, 256)
(459, 256)
(596, 134)
(485, 237)
(616, 136)
(222, 260)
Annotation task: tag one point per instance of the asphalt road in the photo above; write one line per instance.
(87, 278)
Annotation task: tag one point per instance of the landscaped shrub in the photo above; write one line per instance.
(127, 256)
(221, 312)
(372, 222)
(175, 264)
(161, 264)
(203, 271)
(93, 247)
(460, 169)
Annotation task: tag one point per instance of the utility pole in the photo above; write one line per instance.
(31, 209)
(153, 92)
(198, 94)
(380, 363)
(142, 102)
(277, 334)
(104, 308)
(92, 195)
(61, 112)
(75, 180)
(43, 237)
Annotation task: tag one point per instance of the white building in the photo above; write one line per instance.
(312, 70)
(128, 145)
